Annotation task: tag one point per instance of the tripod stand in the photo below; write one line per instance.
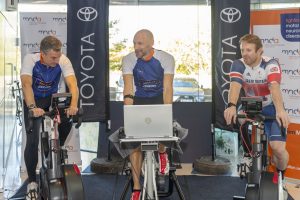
(151, 178)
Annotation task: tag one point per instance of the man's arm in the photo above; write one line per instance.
(128, 88)
(281, 115)
(234, 93)
(26, 81)
(71, 82)
(168, 88)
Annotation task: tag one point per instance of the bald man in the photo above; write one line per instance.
(148, 79)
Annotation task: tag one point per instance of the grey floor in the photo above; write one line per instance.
(12, 178)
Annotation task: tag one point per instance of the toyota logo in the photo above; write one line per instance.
(230, 15)
(87, 14)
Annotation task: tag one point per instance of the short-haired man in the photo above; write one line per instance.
(40, 76)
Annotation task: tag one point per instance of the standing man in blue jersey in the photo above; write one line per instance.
(148, 79)
(40, 76)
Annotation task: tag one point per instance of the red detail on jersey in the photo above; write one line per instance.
(236, 75)
(256, 89)
(274, 77)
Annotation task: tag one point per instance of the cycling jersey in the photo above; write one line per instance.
(45, 79)
(255, 81)
(148, 74)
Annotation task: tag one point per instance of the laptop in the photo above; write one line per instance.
(148, 121)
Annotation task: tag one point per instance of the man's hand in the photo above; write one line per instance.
(282, 116)
(37, 112)
(230, 115)
(128, 101)
(72, 110)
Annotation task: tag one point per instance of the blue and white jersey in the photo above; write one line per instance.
(149, 74)
(45, 79)
(255, 81)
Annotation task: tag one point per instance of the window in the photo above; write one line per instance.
(187, 38)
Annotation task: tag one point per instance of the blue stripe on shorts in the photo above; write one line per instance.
(272, 128)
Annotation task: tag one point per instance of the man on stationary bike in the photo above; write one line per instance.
(260, 76)
(40, 76)
(150, 72)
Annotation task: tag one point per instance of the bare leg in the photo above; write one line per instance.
(136, 165)
(280, 154)
(161, 148)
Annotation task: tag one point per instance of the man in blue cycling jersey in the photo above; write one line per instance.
(148, 79)
(40, 76)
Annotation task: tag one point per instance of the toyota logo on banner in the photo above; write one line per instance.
(87, 14)
(230, 15)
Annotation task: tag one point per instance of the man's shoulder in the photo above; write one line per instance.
(239, 63)
(131, 57)
(268, 61)
(160, 54)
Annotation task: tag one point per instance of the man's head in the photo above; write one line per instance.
(50, 50)
(143, 42)
(251, 49)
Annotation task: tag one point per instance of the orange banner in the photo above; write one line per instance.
(281, 41)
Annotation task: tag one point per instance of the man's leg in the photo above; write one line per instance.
(31, 159)
(280, 154)
(31, 148)
(136, 166)
(31, 151)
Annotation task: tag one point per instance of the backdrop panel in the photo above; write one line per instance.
(88, 51)
(279, 31)
(230, 20)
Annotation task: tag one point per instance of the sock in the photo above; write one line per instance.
(275, 177)
(282, 172)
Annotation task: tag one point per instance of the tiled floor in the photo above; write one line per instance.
(13, 176)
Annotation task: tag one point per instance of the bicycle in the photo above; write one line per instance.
(58, 179)
(259, 181)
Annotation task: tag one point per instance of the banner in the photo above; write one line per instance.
(35, 26)
(88, 51)
(231, 19)
(279, 31)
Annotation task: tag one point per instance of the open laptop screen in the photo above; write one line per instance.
(148, 121)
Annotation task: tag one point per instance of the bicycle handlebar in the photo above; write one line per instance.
(51, 114)
(257, 117)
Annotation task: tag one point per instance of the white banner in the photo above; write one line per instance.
(35, 26)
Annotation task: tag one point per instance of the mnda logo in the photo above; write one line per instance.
(291, 92)
(60, 20)
(293, 111)
(270, 40)
(291, 72)
(47, 32)
(31, 45)
(35, 19)
(289, 52)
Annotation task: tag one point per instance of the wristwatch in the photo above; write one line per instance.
(230, 104)
(31, 106)
(128, 96)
